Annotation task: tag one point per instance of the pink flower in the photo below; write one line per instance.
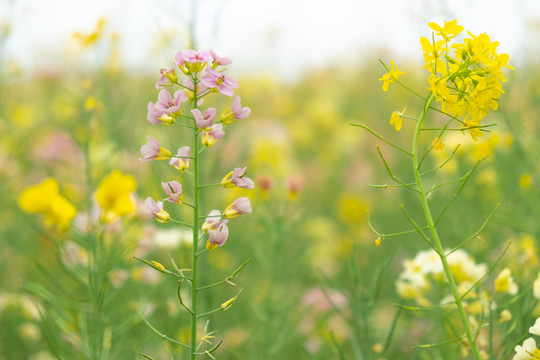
(217, 237)
(238, 207)
(152, 151)
(204, 121)
(156, 116)
(213, 221)
(217, 61)
(192, 60)
(181, 161)
(224, 84)
(170, 105)
(235, 112)
(173, 189)
(168, 77)
(157, 210)
(190, 94)
(209, 138)
(237, 177)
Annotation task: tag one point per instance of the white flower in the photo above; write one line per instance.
(536, 287)
(528, 351)
(535, 329)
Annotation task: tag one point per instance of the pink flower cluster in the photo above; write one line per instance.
(204, 73)
(217, 229)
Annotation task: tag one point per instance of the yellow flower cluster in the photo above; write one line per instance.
(417, 277)
(45, 199)
(114, 195)
(465, 77)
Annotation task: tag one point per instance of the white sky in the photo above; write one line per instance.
(279, 36)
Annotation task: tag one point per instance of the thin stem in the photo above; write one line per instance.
(195, 255)
(387, 167)
(209, 185)
(435, 235)
(163, 336)
(381, 138)
(181, 222)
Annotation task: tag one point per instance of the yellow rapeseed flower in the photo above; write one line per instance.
(390, 77)
(449, 31)
(45, 199)
(114, 195)
(396, 119)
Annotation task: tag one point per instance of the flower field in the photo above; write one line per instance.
(383, 210)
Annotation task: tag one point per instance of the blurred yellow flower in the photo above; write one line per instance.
(527, 245)
(352, 208)
(45, 199)
(87, 40)
(505, 282)
(438, 144)
(525, 181)
(505, 316)
(114, 195)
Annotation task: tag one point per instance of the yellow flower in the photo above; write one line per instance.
(390, 77)
(433, 55)
(87, 40)
(438, 144)
(525, 181)
(227, 304)
(396, 119)
(449, 31)
(505, 282)
(45, 199)
(505, 316)
(114, 195)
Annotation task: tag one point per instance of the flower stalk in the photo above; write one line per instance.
(436, 241)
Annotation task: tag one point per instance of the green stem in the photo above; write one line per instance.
(195, 255)
(435, 235)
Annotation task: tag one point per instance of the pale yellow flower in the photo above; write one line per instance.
(505, 282)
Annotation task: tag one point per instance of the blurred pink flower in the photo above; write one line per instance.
(181, 162)
(152, 151)
(238, 177)
(204, 121)
(295, 184)
(235, 112)
(224, 84)
(168, 77)
(173, 189)
(322, 301)
(56, 147)
(210, 137)
(157, 210)
(238, 207)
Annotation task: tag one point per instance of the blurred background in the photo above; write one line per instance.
(75, 81)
